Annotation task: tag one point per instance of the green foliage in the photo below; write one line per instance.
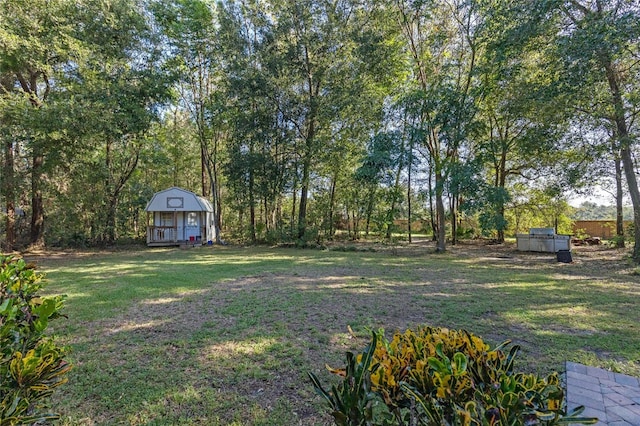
(31, 365)
(593, 211)
(492, 217)
(538, 208)
(617, 241)
(352, 401)
(436, 376)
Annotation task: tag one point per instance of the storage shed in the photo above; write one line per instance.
(176, 216)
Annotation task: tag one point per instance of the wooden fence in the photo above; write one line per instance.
(597, 228)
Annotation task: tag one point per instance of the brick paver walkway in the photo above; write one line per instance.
(611, 397)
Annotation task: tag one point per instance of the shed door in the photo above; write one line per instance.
(192, 228)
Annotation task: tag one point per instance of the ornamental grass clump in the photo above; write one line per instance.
(437, 376)
(31, 364)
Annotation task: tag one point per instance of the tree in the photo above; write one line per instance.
(37, 39)
(441, 39)
(306, 41)
(302, 89)
(383, 164)
(523, 115)
(190, 31)
(121, 86)
(257, 150)
(600, 41)
(9, 178)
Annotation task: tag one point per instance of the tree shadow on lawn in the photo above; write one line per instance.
(238, 350)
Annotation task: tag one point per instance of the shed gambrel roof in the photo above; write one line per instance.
(178, 199)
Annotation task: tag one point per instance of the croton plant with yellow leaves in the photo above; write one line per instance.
(436, 376)
(32, 364)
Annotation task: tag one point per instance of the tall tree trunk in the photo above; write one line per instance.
(203, 168)
(294, 203)
(9, 193)
(211, 167)
(501, 183)
(370, 203)
(217, 217)
(453, 203)
(332, 200)
(114, 184)
(304, 193)
(216, 203)
(409, 165)
(277, 215)
(110, 221)
(252, 206)
(313, 91)
(619, 193)
(37, 205)
(394, 201)
(432, 211)
(501, 229)
(625, 148)
(441, 244)
(108, 186)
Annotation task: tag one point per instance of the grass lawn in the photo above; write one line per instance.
(227, 335)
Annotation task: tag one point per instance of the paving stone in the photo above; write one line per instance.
(611, 397)
(626, 414)
(633, 393)
(582, 384)
(626, 380)
(572, 375)
(610, 383)
(593, 397)
(578, 368)
(600, 373)
(616, 399)
(612, 417)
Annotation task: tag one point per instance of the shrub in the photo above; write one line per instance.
(31, 364)
(352, 401)
(436, 376)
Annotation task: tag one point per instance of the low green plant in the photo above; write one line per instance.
(352, 401)
(617, 241)
(435, 376)
(31, 364)
(581, 234)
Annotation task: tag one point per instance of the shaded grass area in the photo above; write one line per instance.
(227, 335)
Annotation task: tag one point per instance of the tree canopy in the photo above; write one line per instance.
(309, 119)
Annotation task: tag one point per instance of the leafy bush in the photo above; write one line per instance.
(436, 376)
(617, 241)
(31, 364)
(352, 401)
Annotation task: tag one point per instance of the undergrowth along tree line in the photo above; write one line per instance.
(299, 119)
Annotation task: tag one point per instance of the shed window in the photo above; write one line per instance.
(166, 219)
(192, 219)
